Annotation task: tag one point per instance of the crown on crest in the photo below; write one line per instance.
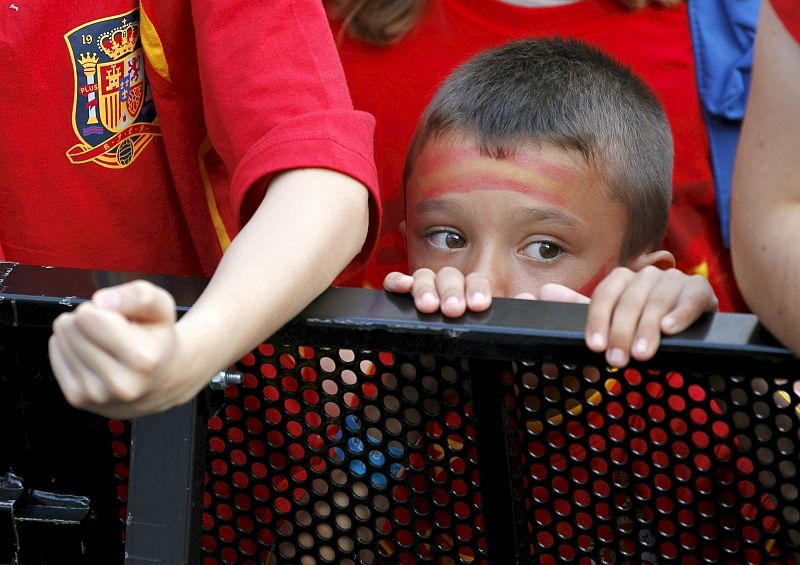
(88, 60)
(119, 41)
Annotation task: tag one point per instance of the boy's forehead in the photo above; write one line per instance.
(455, 164)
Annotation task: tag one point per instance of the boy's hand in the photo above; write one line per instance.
(448, 290)
(629, 311)
(117, 355)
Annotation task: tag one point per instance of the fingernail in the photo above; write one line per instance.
(451, 301)
(597, 340)
(668, 323)
(616, 357)
(107, 298)
(428, 299)
(640, 346)
(479, 297)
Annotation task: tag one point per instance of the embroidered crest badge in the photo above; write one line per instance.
(113, 114)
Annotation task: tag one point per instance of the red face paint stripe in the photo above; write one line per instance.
(490, 182)
(588, 288)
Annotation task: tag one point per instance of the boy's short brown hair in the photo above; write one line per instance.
(573, 96)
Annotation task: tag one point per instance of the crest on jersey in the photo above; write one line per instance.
(113, 114)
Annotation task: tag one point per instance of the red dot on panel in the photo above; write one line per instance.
(675, 380)
(263, 515)
(228, 555)
(305, 352)
(116, 427)
(291, 406)
(242, 502)
(282, 505)
(464, 532)
(121, 470)
(269, 370)
(308, 374)
(251, 403)
(287, 361)
(271, 393)
(119, 449)
(224, 512)
(208, 542)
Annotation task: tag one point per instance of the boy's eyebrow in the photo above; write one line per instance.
(546, 215)
(436, 205)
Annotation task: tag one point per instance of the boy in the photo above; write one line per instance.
(543, 169)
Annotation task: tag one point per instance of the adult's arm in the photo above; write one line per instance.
(765, 208)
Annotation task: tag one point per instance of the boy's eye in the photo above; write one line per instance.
(543, 250)
(447, 240)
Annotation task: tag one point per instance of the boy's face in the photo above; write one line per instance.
(539, 216)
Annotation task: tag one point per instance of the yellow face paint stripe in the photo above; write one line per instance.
(153, 49)
(219, 226)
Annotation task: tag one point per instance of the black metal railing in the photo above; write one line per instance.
(365, 432)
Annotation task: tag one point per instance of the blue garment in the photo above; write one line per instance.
(723, 36)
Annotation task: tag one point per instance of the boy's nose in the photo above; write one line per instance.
(495, 266)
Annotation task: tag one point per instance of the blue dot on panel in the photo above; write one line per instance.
(337, 455)
(377, 458)
(358, 468)
(355, 445)
(396, 449)
(352, 422)
(397, 471)
(378, 480)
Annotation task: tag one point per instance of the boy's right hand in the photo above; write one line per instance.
(448, 290)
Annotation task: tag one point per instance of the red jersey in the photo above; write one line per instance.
(789, 13)
(395, 83)
(140, 135)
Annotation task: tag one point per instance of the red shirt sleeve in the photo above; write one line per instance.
(275, 97)
(789, 13)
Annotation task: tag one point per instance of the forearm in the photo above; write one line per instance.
(310, 225)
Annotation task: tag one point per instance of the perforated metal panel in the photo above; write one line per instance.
(120, 431)
(328, 456)
(657, 466)
(335, 456)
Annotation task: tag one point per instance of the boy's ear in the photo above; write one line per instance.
(661, 259)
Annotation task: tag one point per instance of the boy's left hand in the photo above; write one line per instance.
(630, 310)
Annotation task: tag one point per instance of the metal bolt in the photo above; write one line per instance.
(223, 379)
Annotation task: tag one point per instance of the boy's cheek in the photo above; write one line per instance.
(588, 288)
(422, 255)
(418, 255)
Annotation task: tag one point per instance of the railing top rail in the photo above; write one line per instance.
(34, 296)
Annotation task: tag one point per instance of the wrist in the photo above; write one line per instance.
(200, 351)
